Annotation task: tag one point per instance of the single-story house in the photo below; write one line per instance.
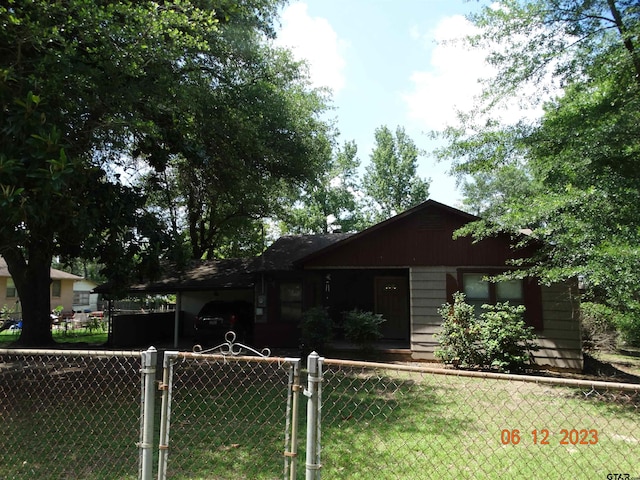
(84, 300)
(405, 268)
(62, 290)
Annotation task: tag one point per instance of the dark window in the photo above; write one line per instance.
(11, 288)
(479, 291)
(290, 302)
(81, 298)
(56, 288)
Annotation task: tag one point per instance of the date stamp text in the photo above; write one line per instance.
(543, 436)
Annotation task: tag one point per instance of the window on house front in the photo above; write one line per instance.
(81, 298)
(56, 288)
(478, 291)
(11, 289)
(290, 302)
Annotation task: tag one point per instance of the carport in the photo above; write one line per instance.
(193, 285)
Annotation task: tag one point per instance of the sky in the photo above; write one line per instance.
(387, 63)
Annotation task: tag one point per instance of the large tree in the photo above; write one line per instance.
(93, 91)
(257, 142)
(582, 155)
(391, 182)
(329, 203)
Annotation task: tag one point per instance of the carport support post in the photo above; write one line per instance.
(314, 377)
(148, 371)
(176, 321)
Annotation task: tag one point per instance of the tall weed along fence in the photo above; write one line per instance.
(215, 416)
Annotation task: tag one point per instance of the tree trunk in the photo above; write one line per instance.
(33, 283)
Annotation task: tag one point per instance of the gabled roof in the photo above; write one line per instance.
(286, 251)
(199, 275)
(55, 274)
(426, 205)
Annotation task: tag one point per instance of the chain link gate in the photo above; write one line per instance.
(228, 415)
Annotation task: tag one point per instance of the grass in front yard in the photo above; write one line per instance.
(228, 423)
(390, 425)
(387, 427)
(76, 418)
(627, 363)
(76, 335)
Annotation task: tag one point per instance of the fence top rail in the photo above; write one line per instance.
(234, 358)
(71, 353)
(565, 382)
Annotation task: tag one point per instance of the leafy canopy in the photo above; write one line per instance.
(95, 95)
(578, 163)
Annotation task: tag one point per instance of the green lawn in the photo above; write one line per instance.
(76, 335)
(628, 363)
(389, 427)
(228, 423)
(393, 425)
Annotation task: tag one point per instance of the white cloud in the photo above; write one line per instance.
(452, 82)
(314, 40)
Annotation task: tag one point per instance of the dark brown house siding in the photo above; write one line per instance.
(422, 238)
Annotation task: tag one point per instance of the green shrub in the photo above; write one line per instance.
(316, 328)
(460, 334)
(506, 341)
(362, 328)
(498, 339)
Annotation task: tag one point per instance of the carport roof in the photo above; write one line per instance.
(199, 275)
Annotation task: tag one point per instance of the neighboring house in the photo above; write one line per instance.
(84, 300)
(61, 289)
(405, 268)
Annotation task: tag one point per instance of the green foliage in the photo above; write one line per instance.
(579, 161)
(498, 338)
(506, 341)
(391, 182)
(460, 334)
(93, 94)
(598, 327)
(362, 328)
(316, 328)
(329, 203)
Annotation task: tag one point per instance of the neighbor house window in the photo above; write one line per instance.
(290, 302)
(81, 298)
(11, 289)
(479, 291)
(56, 288)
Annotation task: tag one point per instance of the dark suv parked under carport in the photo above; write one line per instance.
(218, 317)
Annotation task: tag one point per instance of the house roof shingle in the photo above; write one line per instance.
(285, 251)
(55, 274)
(199, 275)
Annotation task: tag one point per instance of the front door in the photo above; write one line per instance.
(391, 300)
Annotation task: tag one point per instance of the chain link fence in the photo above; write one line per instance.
(395, 422)
(69, 415)
(77, 415)
(229, 417)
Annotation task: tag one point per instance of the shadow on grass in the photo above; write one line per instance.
(378, 426)
(228, 422)
(69, 419)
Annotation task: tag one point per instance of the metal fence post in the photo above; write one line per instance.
(147, 401)
(165, 417)
(313, 406)
(319, 415)
(291, 427)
